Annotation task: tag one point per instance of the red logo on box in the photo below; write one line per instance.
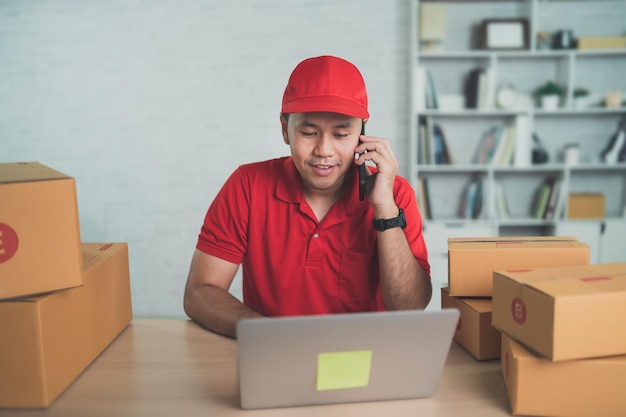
(8, 242)
(593, 279)
(518, 309)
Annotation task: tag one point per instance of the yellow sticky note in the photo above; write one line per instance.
(338, 370)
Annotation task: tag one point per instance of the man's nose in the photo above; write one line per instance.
(325, 145)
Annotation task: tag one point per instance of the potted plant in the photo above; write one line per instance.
(581, 98)
(549, 95)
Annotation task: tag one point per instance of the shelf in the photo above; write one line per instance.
(531, 169)
(473, 113)
(536, 168)
(461, 132)
(580, 112)
(598, 167)
(454, 168)
(525, 54)
(512, 113)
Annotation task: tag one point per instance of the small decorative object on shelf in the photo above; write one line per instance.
(507, 97)
(544, 40)
(504, 34)
(432, 27)
(602, 42)
(563, 39)
(615, 150)
(549, 95)
(581, 98)
(613, 99)
(571, 154)
(539, 153)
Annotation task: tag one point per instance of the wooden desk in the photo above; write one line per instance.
(176, 368)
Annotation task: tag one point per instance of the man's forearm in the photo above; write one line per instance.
(216, 309)
(404, 284)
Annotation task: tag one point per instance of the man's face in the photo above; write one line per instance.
(322, 148)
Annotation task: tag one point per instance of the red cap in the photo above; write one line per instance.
(326, 83)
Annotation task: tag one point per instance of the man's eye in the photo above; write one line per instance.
(305, 133)
(341, 135)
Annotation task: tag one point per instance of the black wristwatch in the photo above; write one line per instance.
(384, 224)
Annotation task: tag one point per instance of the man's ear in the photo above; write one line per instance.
(283, 127)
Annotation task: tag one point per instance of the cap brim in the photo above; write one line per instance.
(332, 104)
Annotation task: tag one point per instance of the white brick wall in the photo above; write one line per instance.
(150, 105)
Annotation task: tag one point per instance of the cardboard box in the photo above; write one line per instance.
(586, 206)
(474, 331)
(471, 261)
(581, 388)
(601, 42)
(48, 340)
(564, 313)
(39, 230)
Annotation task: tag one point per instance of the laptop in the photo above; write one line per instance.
(326, 359)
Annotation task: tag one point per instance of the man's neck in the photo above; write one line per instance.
(321, 201)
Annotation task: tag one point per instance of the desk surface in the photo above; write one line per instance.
(176, 368)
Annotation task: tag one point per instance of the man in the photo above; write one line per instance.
(306, 243)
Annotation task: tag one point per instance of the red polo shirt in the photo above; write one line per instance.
(291, 263)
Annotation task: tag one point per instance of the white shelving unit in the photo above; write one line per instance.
(590, 128)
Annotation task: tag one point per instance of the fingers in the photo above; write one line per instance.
(380, 185)
(379, 151)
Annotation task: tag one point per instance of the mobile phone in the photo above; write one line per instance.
(362, 170)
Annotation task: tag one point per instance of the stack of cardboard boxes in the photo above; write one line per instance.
(564, 339)
(61, 302)
(557, 323)
(471, 262)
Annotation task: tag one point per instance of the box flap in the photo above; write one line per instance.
(491, 240)
(12, 172)
(481, 305)
(95, 253)
(572, 280)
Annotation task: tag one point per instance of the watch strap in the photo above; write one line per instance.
(384, 224)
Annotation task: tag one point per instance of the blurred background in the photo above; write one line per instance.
(151, 104)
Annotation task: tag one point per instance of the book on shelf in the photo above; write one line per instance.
(505, 157)
(426, 148)
(502, 205)
(477, 199)
(442, 150)
(472, 88)
(556, 201)
(486, 89)
(496, 146)
(471, 204)
(522, 155)
(549, 199)
(541, 199)
(425, 91)
(480, 89)
(419, 92)
(433, 146)
(432, 102)
(487, 145)
(423, 199)
(422, 141)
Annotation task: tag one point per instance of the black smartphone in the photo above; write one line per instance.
(362, 170)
